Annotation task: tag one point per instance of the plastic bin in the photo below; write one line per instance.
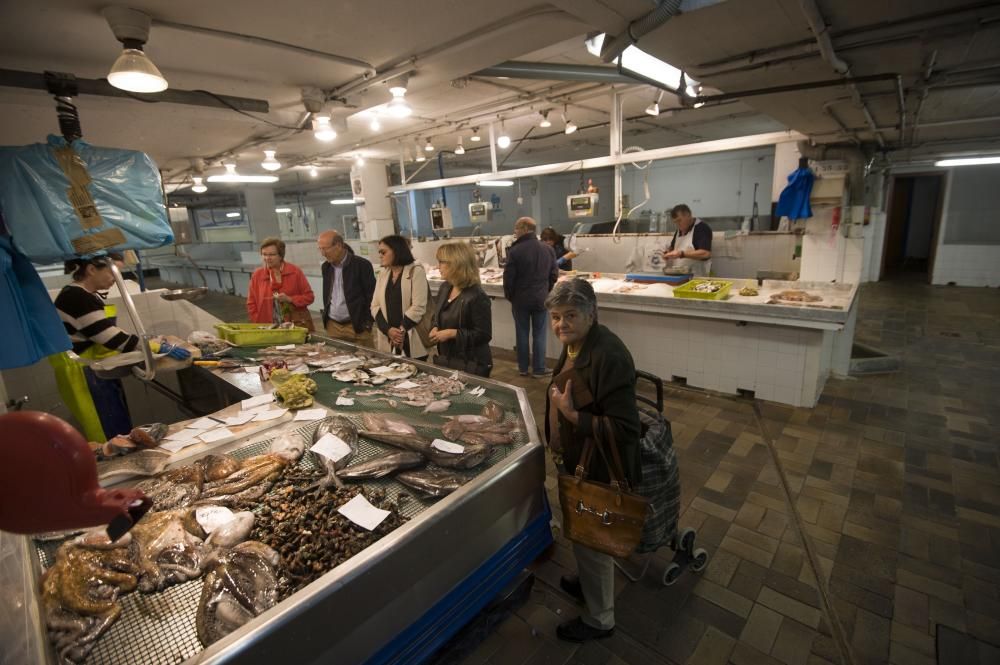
(687, 291)
(259, 334)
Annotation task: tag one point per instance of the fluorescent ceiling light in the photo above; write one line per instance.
(232, 215)
(342, 202)
(270, 163)
(495, 183)
(968, 161)
(650, 68)
(135, 72)
(399, 191)
(322, 129)
(282, 210)
(198, 187)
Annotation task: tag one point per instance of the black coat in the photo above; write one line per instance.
(530, 273)
(471, 314)
(605, 366)
(359, 287)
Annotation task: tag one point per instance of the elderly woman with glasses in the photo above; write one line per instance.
(594, 378)
(279, 291)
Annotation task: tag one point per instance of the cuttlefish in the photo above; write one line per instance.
(240, 584)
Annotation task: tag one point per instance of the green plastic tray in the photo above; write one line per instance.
(259, 334)
(687, 291)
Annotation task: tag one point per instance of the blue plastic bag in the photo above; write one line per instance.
(124, 185)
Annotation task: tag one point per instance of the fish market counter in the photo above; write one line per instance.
(422, 575)
(779, 350)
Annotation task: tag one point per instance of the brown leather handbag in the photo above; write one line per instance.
(607, 518)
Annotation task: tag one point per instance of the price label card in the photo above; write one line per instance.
(184, 435)
(174, 446)
(212, 517)
(215, 435)
(273, 414)
(250, 403)
(345, 401)
(332, 447)
(362, 513)
(310, 414)
(240, 419)
(204, 423)
(285, 347)
(448, 446)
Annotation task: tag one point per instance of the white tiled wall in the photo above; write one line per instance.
(967, 265)
(830, 256)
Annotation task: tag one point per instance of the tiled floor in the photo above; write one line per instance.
(879, 521)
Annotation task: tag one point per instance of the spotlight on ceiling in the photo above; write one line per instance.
(460, 149)
(475, 138)
(322, 129)
(429, 147)
(375, 124)
(232, 176)
(398, 107)
(133, 70)
(359, 160)
(418, 154)
(570, 125)
(270, 163)
(654, 108)
(503, 141)
(198, 187)
(545, 119)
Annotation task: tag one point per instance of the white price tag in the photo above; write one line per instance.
(252, 369)
(204, 423)
(310, 414)
(212, 517)
(174, 446)
(215, 435)
(345, 401)
(240, 419)
(362, 513)
(406, 385)
(313, 353)
(250, 403)
(380, 370)
(273, 414)
(447, 446)
(184, 435)
(332, 447)
(285, 347)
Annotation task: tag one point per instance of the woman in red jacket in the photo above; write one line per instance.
(279, 291)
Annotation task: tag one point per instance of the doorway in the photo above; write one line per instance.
(911, 227)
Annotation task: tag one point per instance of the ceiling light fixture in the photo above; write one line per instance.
(375, 124)
(570, 125)
(460, 149)
(503, 141)
(495, 183)
(654, 108)
(359, 160)
(232, 176)
(968, 161)
(429, 147)
(398, 107)
(198, 187)
(545, 119)
(133, 70)
(698, 105)
(475, 138)
(232, 215)
(342, 202)
(282, 210)
(313, 172)
(418, 154)
(322, 129)
(270, 163)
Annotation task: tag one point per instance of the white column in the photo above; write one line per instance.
(260, 210)
(786, 160)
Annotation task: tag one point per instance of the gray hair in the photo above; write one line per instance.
(525, 225)
(577, 293)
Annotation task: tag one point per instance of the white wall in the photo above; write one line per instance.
(968, 252)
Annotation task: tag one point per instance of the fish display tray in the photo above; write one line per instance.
(257, 334)
(687, 291)
(160, 628)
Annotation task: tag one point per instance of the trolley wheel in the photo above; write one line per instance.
(699, 559)
(672, 573)
(686, 540)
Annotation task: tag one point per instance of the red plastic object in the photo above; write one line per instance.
(48, 480)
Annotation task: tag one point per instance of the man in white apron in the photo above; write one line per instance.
(691, 246)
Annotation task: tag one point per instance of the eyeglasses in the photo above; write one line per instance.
(269, 255)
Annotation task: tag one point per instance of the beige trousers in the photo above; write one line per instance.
(597, 577)
(345, 332)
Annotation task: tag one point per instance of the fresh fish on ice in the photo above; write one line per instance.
(472, 456)
(378, 423)
(413, 442)
(432, 482)
(343, 429)
(351, 376)
(379, 467)
(437, 406)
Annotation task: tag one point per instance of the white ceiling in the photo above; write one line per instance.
(453, 39)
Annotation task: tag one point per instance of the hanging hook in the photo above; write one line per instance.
(63, 87)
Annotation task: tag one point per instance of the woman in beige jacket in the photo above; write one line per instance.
(400, 300)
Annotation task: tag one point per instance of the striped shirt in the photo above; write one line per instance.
(86, 323)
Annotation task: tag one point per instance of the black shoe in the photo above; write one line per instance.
(577, 631)
(571, 585)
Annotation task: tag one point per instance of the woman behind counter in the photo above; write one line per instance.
(595, 358)
(463, 324)
(564, 257)
(400, 300)
(279, 291)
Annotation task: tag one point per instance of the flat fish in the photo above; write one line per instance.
(432, 482)
(379, 467)
(351, 376)
(400, 371)
(437, 406)
(343, 429)
(413, 442)
(141, 463)
(241, 584)
(486, 438)
(472, 456)
(469, 418)
(493, 412)
(377, 423)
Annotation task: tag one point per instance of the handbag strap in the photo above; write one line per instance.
(606, 436)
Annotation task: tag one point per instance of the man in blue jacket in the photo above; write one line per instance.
(528, 276)
(348, 287)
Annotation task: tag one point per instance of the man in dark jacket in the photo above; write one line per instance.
(348, 287)
(528, 276)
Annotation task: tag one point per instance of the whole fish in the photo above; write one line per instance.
(377, 423)
(437, 406)
(148, 436)
(493, 412)
(486, 438)
(379, 467)
(343, 429)
(413, 442)
(468, 418)
(472, 456)
(432, 482)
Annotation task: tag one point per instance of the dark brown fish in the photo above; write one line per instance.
(472, 456)
(413, 442)
(432, 482)
(379, 467)
(493, 411)
(148, 436)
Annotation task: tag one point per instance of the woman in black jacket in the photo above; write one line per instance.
(594, 378)
(463, 322)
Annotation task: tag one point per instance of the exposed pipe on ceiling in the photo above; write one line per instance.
(408, 65)
(902, 108)
(795, 87)
(555, 72)
(828, 109)
(818, 25)
(925, 90)
(613, 46)
(263, 41)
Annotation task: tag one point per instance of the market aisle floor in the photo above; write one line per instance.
(892, 538)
